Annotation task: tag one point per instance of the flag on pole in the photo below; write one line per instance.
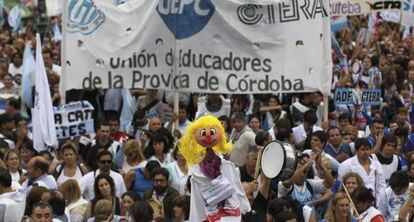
(15, 17)
(58, 34)
(28, 75)
(1, 12)
(339, 53)
(43, 122)
(128, 108)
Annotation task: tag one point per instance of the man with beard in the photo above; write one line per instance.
(162, 192)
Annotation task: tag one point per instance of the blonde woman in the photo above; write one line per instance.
(352, 181)
(134, 158)
(339, 209)
(12, 161)
(74, 201)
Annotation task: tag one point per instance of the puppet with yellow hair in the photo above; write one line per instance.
(216, 191)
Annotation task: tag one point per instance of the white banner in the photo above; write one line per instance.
(73, 119)
(222, 46)
(408, 13)
(54, 7)
(360, 7)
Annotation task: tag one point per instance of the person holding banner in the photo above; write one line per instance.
(214, 104)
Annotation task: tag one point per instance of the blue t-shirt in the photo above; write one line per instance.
(141, 184)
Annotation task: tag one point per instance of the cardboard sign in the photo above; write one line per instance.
(345, 96)
(74, 119)
(217, 190)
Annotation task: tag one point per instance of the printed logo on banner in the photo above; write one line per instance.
(345, 8)
(185, 18)
(384, 5)
(83, 17)
(251, 14)
(408, 6)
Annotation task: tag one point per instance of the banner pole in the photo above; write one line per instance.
(176, 107)
(325, 108)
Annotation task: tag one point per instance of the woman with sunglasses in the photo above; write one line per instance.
(104, 188)
(70, 168)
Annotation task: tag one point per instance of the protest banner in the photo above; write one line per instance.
(213, 46)
(358, 7)
(345, 96)
(54, 7)
(407, 17)
(73, 119)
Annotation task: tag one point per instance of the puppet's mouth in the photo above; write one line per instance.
(208, 141)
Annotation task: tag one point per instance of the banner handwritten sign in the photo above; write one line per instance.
(213, 46)
(74, 119)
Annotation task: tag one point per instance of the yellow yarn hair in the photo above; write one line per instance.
(194, 152)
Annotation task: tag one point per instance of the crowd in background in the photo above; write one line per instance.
(356, 165)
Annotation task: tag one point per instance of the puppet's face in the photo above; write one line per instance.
(208, 137)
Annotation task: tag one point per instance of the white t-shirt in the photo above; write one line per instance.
(126, 167)
(16, 176)
(63, 178)
(168, 158)
(177, 177)
(13, 70)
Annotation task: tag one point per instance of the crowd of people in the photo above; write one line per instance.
(357, 165)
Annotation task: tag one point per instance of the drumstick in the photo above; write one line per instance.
(258, 161)
(350, 199)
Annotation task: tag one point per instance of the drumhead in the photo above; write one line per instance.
(273, 158)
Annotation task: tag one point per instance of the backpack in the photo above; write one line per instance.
(62, 167)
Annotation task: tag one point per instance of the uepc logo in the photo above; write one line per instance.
(185, 18)
(83, 16)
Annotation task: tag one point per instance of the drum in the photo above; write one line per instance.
(278, 160)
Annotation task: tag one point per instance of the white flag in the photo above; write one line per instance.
(44, 131)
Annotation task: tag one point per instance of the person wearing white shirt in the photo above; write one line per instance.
(16, 67)
(178, 172)
(318, 142)
(391, 201)
(214, 104)
(104, 162)
(37, 169)
(12, 202)
(307, 127)
(365, 166)
(158, 149)
(183, 122)
(243, 139)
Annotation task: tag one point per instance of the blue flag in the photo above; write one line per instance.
(339, 53)
(1, 12)
(29, 65)
(58, 35)
(15, 17)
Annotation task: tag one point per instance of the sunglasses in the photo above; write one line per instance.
(106, 161)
